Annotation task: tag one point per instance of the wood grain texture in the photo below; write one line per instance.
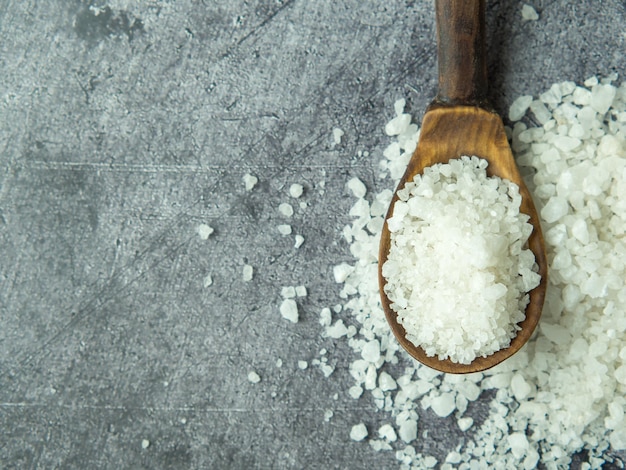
(450, 132)
(461, 52)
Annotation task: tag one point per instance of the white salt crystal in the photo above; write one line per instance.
(398, 125)
(325, 317)
(249, 181)
(296, 190)
(337, 330)
(371, 351)
(408, 430)
(387, 432)
(398, 106)
(247, 272)
(284, 229)
(555, 209)
(518, 107)
(443, 405)
(285, 209)
(342, 271)
(529, 13)
(540, 111)
(355, 392)
(299, 240)
(465, 423)
(204, 231)
(303, 365)
(208, 281)
(386, 382)
(337, 135)
(357, 187)
(518, 443)
(253, 377)
(358, 432)
(301, 291)
(602, 97)
(288, 292)
(520, 388)
(289, 310)
(328, 414)
(279, 362)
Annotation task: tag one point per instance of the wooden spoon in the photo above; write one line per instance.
(460, 122)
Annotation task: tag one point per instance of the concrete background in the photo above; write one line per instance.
(123, 125)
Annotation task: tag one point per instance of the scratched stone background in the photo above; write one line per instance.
(124, 125)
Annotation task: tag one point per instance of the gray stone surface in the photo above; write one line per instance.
(124, 125)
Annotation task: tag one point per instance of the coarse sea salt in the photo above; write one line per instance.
(564, 392)
(457, 273)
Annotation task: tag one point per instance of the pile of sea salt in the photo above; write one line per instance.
(565, 391)
(458, 273)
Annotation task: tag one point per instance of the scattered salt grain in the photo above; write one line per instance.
(279, 362)
(357, 187)
(337, 135)
(285, 209)
(328, 414)
(529, 13)
(253, 377)
(299, 240)
(289, 310)
(247, 273)
(295, 190)
(208, 281)
(284, 229)
(519, 107)
(249, 181)
(358, 432)
(465, 423)
(301, 291)
(204, 231)
(145, 443)
(387, 432)
(288, 292)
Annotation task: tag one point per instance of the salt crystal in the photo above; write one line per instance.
(398, 125)
(204, 231)
(285, 209)
(602, 97)
(443, 405)
(208, 281)
(465, 423)
(371, 351)
(337, 330)
(328, 414)
(518, 107)
(288, 292)
(253, 377)
(386, 382)
(529, 13)
(284, 229)
(301, 291)
(342, 271)
(387, 432)
(555, 209)
(299, 240)
(296, 190)
(357, 187)
(247, 273)
(145, 443)
(358, 432)
(408, 430)
(518, 443)
(303, 365)
(520, 388)
(337, 135)
(355, 392)
(289, 310)
(249, 181)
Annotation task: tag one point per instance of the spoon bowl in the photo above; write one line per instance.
(459, 122)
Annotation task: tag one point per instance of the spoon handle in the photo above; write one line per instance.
(461, 52)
